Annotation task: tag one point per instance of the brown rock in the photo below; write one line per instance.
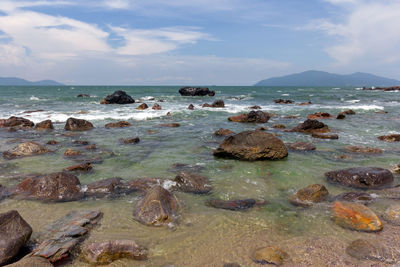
(24, 150)
(73, 124)
(311, 126)
(81, 142)
(270, 255)
(215, 104)
(283, 101)
(191, 107)
(119, 124)
(143, 184)
(255, 107)
(174, 124)
(370, 250)
(105, 187)
(363, 150)
(223, 132)
(84, 167)
(142, 106)
(319, 115)
(341, 116)
(44, 125)
(17, 122)
(72, 153)
(306, 197)
(192, 183)
(83, 95)
(52, 142)
(127, 141)
(390, 138)
(305, 103)
(349, 112)
(91, 147)
(325, 135)
(300, 146)
(169, 114)
(234, 205)
(252, 117)
(156, 107)
(278, 126)
(33, 111)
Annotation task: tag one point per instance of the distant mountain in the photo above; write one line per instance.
(21, 82)
(321, 78)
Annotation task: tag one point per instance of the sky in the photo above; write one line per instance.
(195, 42)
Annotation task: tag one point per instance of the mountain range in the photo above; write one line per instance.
(10, 81)
(320, 78)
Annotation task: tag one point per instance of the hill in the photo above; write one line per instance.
(12, 81)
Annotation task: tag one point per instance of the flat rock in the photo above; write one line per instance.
(358, 197)
(120, 124)
(363, 249)
(363, 150)
(390, 138)
(309, 195)
(325, 135)
(44, 125)
(252, 117)
(105, 187)
(118, 97)
(192, 183)
(223, 132)
(300, 146)
(24, 150)
(84, 167)
(311, 126)
(283, 101)
(196, 91)
(235, 205)
(270, 255)
(74, 124)
(174, 124)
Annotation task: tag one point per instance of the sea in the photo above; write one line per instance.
(205, 236)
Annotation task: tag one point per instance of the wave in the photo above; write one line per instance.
(34, 98)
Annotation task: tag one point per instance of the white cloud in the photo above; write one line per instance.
(117, 4)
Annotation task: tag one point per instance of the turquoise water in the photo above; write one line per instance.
(205, 236)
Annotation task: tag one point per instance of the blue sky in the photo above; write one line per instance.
(193, 42)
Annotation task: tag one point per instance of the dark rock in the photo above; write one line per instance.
(156, 107)
(306, 197)
(255, 107)
(283, 101)
(270, 255)
(24, 150)
(325, 135)
(235, 205)
(127, 141)
(361, 177)
(44, 125)
(142, 106)
(118, 97)
(192, 183)
(105, 187)
(341, 116)
(14, 233)
(370, 250)
(253, 116)
(73, 124)
(83, 95)
(119, 124)
(311, 126)
(363, 150)
(300, 146)
(252, 145)
(84, 167)
(17, 122)
(198, 91)
(157, 207)
(174, 124)
(58, 186)
(60, 237)
(215, 104)
(223, 132)
(32, 262)
(305, 103)
(191, 107)
(390, 138)
(358, 197)
(81, 142)
(72, 153)
(319, 115)
(169, 114)
(107, 252)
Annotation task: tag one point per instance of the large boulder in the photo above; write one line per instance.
(14, 233)
(192, 183)
(311, 126)
(196, 91)
(24, 150)
(107, 252)
(118, 97)
(59, 186)
(309, 195)
(16, 122)
(73, 124)
(361, 177)
(252, 145)
(157, 207)
(253, 116)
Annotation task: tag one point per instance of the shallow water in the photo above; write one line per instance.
(206, 236)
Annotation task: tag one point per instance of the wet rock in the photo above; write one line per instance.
(105, 187)
(252, 145)
(255, 107)
(191, 107)
(128, 141)
(370, 250)
(14, 233)
(59, 238)
(196, 91)
(32, 262)
(395, 169)
(300, 146)
(83, 95)
(319, 115)
(381, 112)
(390, 138)
(270, 255)
(84, 167)
(235, 205)
(363, 150)
(157, 207)
(44, 125)
(306, 197)
(169, 114)
(290, 117)
(349, 112)
(156, 107)
(119, 124)
(192, 183)
(355, 216)
(174, 124)
(325, 136)
(73, 124)
(59, 186)
(341, 116)
(223, 132)
(392, 214)
(361, 177)
(145, 184)
(17, 122)
(215, 104)
(178, 167)
(33, 111)
(81, 142)
(91, 147)
(142, 106)
(283, 101)
(118, 97)
(72, 153)
(358, 197)
(252, 117)
(278, 126)
(107, 252)
(24, 150)
(311, 126)
(305, 103)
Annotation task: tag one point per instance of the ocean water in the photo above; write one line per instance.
(205, 236)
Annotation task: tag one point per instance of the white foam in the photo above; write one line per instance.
(34, 98)
(285, 94)
(353, 101)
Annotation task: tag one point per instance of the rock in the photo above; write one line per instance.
(118, 97)
(192, 183)
(72, 153)
(24, 150)
(361, 177)
(59, 186)
(14, 233)
(390, 138)
(191, 107)
(169, 114)
(174, 124)
(196, 91)
(128, 141)
(392, 214)
(358, 197)
(319, 115)
(395, 169)
(223, 132)
(156, 107)
(91, 147)
(215, 104)
(110, 186)
(270, 255)
(32, 262)
(81, 142)
(311, 126)
(252, 145)
(44, 125)
(391, 88)
(325, 135)
(363, 150)
(235, 205)
(83, 95)
(73, 124)
(107, 252)
(52, 142)
(253, 116)
(278, 126)
(18, 122)
(300, 146)
(145, 184)
(283, 101)
(119, 124)
(33, 111)
(84, 167)
(341, 116)
(306, 197)
(305, 103)
(381, 112)
(349, 112)
(59, 238)
(142, 106)
(255, 107)
(370, 250)
(355, 216)
(157, 207)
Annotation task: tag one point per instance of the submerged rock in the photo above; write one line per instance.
(105, 187)
(325, 135)
(300, 146)
(278, 126)
(392, 214)
(196, 91)
(72, 153)
(74, 124)
(305, 103)
(107, 252)
(84, 167)
(127, 141)
(223, 132)
(252, 145)
(255, 107)
(361, 177)
(355, 216)
(215, 104)
(309, 195)
(25, 150)
(358, 197)
(252, 117)
(283, 101)
(319, 115)
(118, 97)
(83, 95)
(18, 122)
(52, 142)
(192, 183)
(119, 124)
(81, 142)
(311, 126)
(235, 205)
(173, 124)
(390, 138)
(270, 255)
(363, 150)
(370, 250)
(178, 167)
(14, 233)
(44, 125)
